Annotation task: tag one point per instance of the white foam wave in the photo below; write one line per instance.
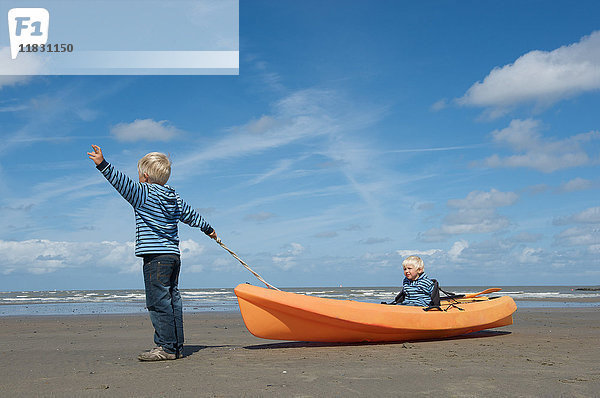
(205, 293)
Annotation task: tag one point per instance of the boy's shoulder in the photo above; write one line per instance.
(158, 187)
(423, 279)
(163, 191)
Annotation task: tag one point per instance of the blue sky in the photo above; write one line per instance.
(356, 134)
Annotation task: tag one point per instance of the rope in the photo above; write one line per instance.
(246, 265)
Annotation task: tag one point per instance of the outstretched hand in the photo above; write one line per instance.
(96, 156)
(213, 235)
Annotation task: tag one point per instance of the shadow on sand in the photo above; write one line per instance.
(303, 344)
(189, 350)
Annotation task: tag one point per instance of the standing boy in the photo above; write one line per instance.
(158, 209)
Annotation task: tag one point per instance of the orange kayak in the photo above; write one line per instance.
(278, 315)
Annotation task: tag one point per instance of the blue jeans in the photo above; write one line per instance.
(161, 277)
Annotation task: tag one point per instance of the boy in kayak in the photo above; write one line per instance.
(416, 285)
(158, 209)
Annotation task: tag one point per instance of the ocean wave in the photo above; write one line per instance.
(205, 293)
(225, 298)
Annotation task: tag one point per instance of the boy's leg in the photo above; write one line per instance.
(177, 308)
(158, 273)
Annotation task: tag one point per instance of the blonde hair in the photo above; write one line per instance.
(415, 261)
(157, 166)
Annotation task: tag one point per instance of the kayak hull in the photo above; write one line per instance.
(278, 315)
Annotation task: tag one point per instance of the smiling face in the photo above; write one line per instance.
(411, 272)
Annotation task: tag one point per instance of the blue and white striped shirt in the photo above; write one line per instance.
(418, 292)
(158, 209)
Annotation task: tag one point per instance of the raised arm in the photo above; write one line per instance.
(133, 192)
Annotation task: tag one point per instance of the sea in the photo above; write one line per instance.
(132, 301)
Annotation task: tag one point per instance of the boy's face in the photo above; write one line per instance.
(411, 272)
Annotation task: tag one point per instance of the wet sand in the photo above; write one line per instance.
(545, 353)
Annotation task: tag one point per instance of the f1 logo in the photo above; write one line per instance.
(27, 26)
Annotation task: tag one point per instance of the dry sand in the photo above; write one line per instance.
(546, 353)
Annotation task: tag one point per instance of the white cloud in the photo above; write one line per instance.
(587, 216)
(118, 255)
(585, 232)
(541, 77)
(538, 152)
(530, 255)
(13, 108)
(526, 237)
(373, 261)
(424, 206)
(262, 124)
(282, 166)
(579, 235)
(42, 256)
(406, 253)
(495, 259)
(537, 189)
(484, 200)
(591, 215)
(576, 184)
(19, 70)
(484, 253)
(144, 130)
(474, 214)
(466, 222)
(327, 123)
(191, 251)
(261, 75)
(439, 105)
(301, 115)
(457, 248)
(287, 259)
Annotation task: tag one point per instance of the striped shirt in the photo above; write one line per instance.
(158, 209)
(418, 292)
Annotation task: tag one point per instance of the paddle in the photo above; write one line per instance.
(486, 291)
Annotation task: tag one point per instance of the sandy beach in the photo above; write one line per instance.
(545, 353)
